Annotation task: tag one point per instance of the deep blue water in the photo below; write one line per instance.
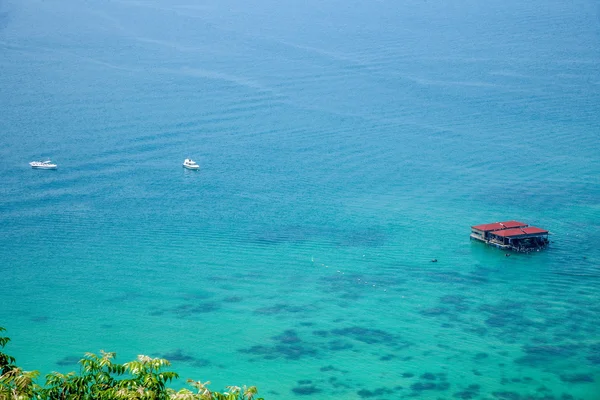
(343, 145)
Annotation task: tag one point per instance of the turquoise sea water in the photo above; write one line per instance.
(343, 145)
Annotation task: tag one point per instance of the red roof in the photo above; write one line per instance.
(520, 232)
(499, 225)
(530, 230)
(513, 224)
(510, 232)
(488, 227)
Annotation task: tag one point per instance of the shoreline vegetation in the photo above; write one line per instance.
(101, 378)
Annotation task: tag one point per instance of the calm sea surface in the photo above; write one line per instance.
(343, 145)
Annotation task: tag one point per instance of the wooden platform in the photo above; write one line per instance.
(511, 235)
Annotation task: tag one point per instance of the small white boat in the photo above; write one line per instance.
(42, 164)
(190, 164)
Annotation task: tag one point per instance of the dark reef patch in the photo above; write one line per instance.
(544, 390)
(199, 295)
(348, 287)
(370, 237)
(366, 394)
(466, 395)
(4, 19)
(290, 352)
(594, 354)
(233, 299)
(336, 384)
(68, 360)
(459, 303)
(515, 322)
(349, 296)
(507, 395)
(306, 390)
(450, 307)
(280, 309)
(287, 337)
(179, 355)
(202, 362)
(478, 330)
(577, 378)
(543, 354)
(337, 345)
(421, 386)
(456, 277)
(435, 311)
(470, 392)
(290, 345)
(287, 345)
(453, 299)
(431, 381)
(367, 335)
(285, 234)
(188, 310)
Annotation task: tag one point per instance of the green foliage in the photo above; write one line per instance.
(100, 378)
(203, 393)
(6, 361)
(15, 384)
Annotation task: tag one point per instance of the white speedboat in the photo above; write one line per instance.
(190, 164)
(42, 164)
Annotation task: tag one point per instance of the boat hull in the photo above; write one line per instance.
(43, 166)
(192, 167)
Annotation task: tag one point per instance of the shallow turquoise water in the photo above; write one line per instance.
(343, 145)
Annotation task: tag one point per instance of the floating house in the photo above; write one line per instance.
(511, 235)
